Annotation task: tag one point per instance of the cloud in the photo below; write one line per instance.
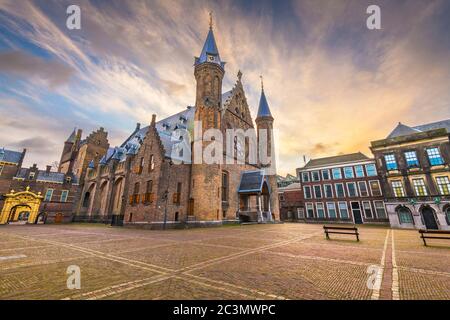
(36, 143)
(332, 84)
(28, 66)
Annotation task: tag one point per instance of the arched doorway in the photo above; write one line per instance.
(88, 198)
(117, 196)
(21, 206)
(103, 197)
(429, 218)
(19, 214)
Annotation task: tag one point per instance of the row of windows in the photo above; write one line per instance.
(420, 189)
(151, 165)
(49, 195)
(405, 216)
(338, 173)
(352, 189)
(412, 161)
(340, 210)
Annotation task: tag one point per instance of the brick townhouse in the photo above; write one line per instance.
(342, 189)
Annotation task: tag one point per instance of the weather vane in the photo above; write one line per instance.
(262, 82)
(210, 19)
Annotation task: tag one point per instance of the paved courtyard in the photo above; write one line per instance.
(282, 261)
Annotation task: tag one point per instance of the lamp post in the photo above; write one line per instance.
(166, 195)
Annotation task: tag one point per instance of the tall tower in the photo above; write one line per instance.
(69, 151)
(205, 203)
(264, 125)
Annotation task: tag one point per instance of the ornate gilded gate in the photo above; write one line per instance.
(19, 200)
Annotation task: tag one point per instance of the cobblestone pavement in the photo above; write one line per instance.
(282, 261)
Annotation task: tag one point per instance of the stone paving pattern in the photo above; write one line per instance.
(281, 261)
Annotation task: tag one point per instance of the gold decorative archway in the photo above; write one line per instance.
(19, 200)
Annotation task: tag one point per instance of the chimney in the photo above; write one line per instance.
(48, 169)
(153, 120)
(138, 127)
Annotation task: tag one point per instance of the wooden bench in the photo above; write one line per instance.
(341, 230)
(434, 234)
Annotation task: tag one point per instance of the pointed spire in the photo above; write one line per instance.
(72, 136)
(263, 110)
(210, 53)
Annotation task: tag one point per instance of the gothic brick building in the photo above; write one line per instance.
(153, 178)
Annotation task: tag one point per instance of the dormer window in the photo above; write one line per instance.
(68, 179)
(166, 126)
(31, 175)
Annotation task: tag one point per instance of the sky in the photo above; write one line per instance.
(332, 84)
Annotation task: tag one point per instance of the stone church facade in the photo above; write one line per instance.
(153, 179)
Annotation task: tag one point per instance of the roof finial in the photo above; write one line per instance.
(262, 82)
(210, 20)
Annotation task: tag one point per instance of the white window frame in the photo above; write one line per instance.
(310, 192)
(321, 191)
(353, 173)
(356, 189)
(329, 175)
(51, 194)
(1, 168)
(61, 197)
(367, 171)
(324, 189)
(375, 208)
(335, 211)
(379, 188)
(340, 173)
(343, 189)
(439, 186)
(317, 211)
(403, 188)
(312, 176)
(363, 173)
(367, 189)
(307, 174)
(364, 209)
(346, 206)
(311, 206)
(424, 185)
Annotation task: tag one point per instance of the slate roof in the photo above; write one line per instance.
(44, 176)
(352, 157)
(263, 109)
(165, 128)
(404, 130)
(251, 181)
(72, 136)
(209, 48)
(10, 156)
